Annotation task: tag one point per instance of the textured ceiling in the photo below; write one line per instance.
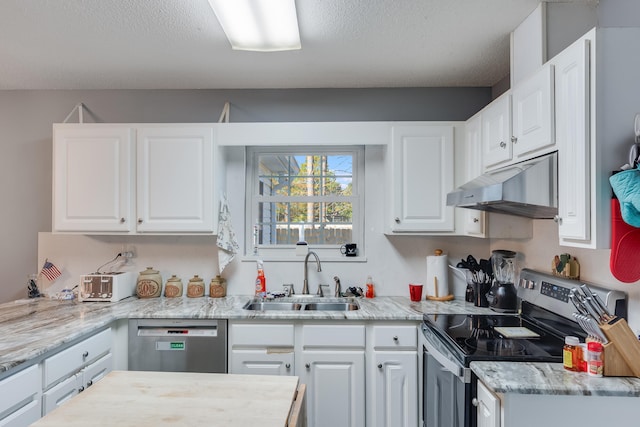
(178, 44)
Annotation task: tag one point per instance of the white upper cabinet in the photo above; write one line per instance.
(116, 178)
(474, 220)
(572, 134)
(533, 113)
(93, 178)
(175, 179)
(496, 132)
(421, 175)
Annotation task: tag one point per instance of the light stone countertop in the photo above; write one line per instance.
(31, 328)
(551, 378)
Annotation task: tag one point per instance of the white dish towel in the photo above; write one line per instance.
(227, 244)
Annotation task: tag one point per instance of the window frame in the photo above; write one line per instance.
(252, 200)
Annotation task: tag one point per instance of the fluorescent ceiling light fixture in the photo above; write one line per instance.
(261, 25)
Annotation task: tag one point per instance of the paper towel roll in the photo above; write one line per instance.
(437, 275)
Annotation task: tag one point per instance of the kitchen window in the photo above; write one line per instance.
(312, 194)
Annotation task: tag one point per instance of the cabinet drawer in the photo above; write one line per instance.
(351, 336)
(259, 335)
(398, 337)
(72, 359)
(20, 388)
(24, 416)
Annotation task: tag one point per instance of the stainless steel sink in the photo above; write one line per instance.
(259, 305)
(271, 305)
(332, 306)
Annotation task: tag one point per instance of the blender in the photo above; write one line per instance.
(505, 296)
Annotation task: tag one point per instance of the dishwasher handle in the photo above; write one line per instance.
(193, 332)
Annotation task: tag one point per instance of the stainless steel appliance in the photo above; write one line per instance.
(109, 287)
(505, 297)
(178, 345)
(528, 189)
(452, 341)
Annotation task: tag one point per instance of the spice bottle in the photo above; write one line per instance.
(369, 293)
(595, 362)
(572, 354)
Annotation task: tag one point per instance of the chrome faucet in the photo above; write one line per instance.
(305, 284)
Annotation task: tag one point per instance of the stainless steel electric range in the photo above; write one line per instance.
(452, 341)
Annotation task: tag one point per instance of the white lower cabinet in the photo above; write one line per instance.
(261, 349)
(20, 397)
(71, 371)
(392, 376)
(356, 374)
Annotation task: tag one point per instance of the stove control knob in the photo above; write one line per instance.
(475, 401)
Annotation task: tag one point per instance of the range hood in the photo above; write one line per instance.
(528, 189)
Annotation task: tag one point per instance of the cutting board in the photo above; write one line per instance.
(624, 261)
(155, 399)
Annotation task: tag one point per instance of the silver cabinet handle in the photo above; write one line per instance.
(475, 220)
(514, 139)
(89, 383)
(397, 220)
(85, 354)
(380, 366)
(503, 144)
(307, 365)
(122, 220)
(81, 389)
(139, 220)
(288, 366)
(395, 338)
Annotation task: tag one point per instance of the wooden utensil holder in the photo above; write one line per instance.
(622, 353)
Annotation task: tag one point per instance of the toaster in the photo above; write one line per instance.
(108, 287)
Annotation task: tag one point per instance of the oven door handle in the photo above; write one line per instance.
(448, 364)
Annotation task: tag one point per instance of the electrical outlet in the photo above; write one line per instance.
(128, 252)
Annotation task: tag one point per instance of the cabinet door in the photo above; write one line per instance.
(488, 407)
(92, 178)
(422, 174)
(474, 220)
(396, 389)
(572, 120)
(21, 397)
(335, 388)
(261, 362)
(496, 132)
(175, 179)
(533, 114)
(61, 393)
(96, 371)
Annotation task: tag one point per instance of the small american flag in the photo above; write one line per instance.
(50, 271)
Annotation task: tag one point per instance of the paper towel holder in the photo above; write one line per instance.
(436, 297)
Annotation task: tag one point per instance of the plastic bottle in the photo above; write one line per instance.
(572, 354)
(261, 281)
(369, 293)
(595, 363)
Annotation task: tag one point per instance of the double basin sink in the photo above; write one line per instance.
(335, 304)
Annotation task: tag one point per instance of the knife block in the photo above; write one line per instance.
(623, 349)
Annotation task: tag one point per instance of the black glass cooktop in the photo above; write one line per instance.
(495, 337)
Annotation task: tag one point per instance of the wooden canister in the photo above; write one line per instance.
(218, 287)
(173, 287)
(149, 284)
(195, 288)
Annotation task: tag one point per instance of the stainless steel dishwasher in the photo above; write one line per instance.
(178, 345)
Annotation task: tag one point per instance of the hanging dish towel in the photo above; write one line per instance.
(626, 186)
(227, 244)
